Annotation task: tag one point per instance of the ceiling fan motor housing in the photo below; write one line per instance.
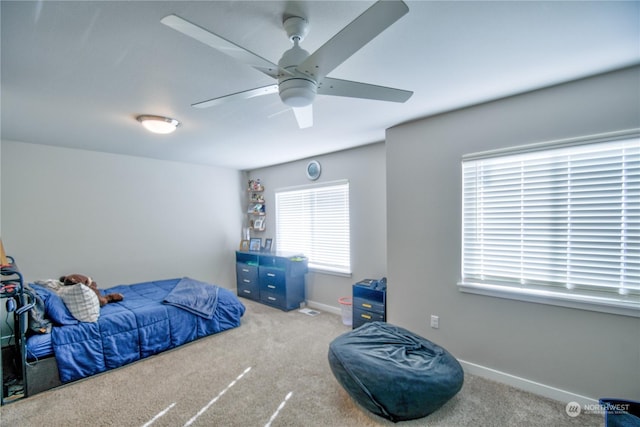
(296, 27)
(298, 89)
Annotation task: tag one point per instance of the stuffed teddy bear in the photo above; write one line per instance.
(74, 279)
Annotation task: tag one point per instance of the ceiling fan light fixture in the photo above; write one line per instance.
(297, 92)
(158, 124)
(299, 74)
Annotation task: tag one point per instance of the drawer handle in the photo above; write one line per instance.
(271, 298)
(366, 305)
(271, 287)
(271, 274)
(246, 280)
(246, 291)
(365, 316)
(246, 270)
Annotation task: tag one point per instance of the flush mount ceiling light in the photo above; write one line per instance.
(158, 124)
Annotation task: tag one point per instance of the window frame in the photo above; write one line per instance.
(339, 269)
(628, 305)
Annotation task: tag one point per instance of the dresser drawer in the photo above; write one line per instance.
(368, 305)
(247, 271)
(277, 300)
(248, 291)
(272, 280)
(273, 288)
(247, 281)
(361, 317)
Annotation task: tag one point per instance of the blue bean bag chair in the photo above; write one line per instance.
(393, 372)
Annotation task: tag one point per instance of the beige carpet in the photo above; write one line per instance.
(272, 370)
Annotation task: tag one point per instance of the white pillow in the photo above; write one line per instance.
(81, 301)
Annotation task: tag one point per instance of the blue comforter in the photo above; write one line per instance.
(139, 326)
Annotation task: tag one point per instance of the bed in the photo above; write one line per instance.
(153, 317)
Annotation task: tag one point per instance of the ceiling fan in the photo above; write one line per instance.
(300, 75)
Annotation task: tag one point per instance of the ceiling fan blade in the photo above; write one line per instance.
(277, 113)
(239, 96)
(337, 87)
(223, 45)
(304, 116)
(352, 38)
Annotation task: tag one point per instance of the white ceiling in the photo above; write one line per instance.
(76, 74)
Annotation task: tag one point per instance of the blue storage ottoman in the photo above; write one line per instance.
(393, 372)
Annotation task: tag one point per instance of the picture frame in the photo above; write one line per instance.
(255, 244)
(244, 245)
(258, 224)
(268, 243)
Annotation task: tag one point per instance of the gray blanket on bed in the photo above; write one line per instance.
(194, 296)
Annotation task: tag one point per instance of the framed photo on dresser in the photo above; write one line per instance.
(255, 244)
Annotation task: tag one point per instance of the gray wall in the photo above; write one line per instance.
(588, 353)
(120, 219)
(364, 167)
(0, 189)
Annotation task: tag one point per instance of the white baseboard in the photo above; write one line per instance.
(324, 307)
(527, 385)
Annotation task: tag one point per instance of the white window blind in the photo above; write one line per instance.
(315, 221)
(559, 222)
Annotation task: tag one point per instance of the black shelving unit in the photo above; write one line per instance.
(18, 302)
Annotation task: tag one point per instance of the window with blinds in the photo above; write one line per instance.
(559, 221)
(315, 221)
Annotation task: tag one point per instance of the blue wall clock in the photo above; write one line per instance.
(313, 170)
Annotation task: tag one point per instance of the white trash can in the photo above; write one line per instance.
(346, 304)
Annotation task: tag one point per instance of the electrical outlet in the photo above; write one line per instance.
(435, 321)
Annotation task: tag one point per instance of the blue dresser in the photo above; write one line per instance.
(276, 279)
